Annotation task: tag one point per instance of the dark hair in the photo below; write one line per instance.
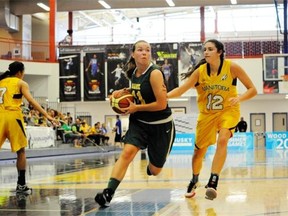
(69, 31)
(130, 65)
(219, 46)
(13, 69)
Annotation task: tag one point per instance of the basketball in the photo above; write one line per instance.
(120, 99)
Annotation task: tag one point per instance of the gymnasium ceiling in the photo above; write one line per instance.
(19, 7)
(90, 12)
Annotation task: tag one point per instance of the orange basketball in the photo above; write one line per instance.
(120, 99)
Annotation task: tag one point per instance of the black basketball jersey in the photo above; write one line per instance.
(143, 94)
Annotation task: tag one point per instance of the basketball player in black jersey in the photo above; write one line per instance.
(151, 125)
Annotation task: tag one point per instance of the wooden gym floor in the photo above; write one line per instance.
(253, 183)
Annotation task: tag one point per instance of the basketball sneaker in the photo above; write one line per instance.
(104, 198)
(211, 187)
(191, 189)
(211, 193)
(24, 189)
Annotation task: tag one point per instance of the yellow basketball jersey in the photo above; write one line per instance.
(10, 95)
(214, 91)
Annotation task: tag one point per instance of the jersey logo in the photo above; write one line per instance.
(224, 77)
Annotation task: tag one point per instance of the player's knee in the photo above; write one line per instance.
(152, 170)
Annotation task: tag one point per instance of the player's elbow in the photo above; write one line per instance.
(162, 105)
(254, 92)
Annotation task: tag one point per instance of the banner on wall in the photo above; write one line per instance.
(117, 56)
(190, 54)
(69, 77)
(166, 56)
(94, 73)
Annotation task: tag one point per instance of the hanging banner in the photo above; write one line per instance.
(94, 74)
(69, 77)
(190, 54)
(117, 56)
(166, 56)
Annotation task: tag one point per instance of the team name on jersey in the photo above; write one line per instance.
(136, 86)
(215, 87)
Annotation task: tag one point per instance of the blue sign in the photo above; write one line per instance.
(241, 141)
(276, 140)
(184, 142)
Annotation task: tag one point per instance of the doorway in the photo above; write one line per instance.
(280, 122)
(258, 126)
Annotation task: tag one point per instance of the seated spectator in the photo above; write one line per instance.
(69, 135)
(42, 122)
(76, 130)
(32, 118)
(95, 133)
(84, 130)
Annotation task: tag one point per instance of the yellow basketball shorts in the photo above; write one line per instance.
(208, 126)
(12, 128)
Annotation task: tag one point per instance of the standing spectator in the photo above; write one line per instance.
(241, 126)
(151, 124)
(13, 88)
(215, 80)
(118, 131)
(104, 136)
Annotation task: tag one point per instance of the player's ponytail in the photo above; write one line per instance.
(14, 68)
(129, 67)
(4, 75)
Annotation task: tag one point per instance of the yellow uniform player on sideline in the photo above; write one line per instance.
(12, 90)
(215, 80)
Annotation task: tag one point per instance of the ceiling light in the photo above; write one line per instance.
(233, 2)
(43, 6)
(170, 3)
(104, 4)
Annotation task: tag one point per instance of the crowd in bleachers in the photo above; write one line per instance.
(77, 131)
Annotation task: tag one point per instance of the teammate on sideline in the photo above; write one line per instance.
(215, 80)
(12, 90)
(151, 124)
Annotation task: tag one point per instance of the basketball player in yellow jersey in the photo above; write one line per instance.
(218, 102)
(12, 89)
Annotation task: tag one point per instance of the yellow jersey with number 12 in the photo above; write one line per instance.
(214, 91)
